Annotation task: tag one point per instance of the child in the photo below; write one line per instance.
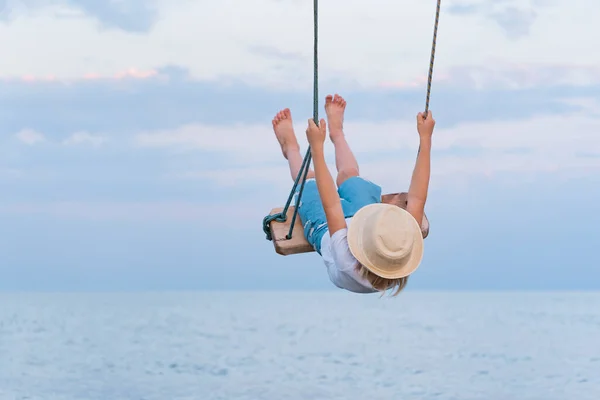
(367, 246)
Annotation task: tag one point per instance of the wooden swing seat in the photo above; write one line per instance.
(298, 244)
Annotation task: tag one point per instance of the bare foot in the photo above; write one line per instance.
(335, 107)
(284, 131)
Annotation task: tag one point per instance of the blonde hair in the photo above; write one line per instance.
(383, 284)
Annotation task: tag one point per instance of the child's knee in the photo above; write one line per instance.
(345, 174)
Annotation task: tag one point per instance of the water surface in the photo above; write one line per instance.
(297, 346)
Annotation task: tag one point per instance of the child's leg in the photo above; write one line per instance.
(310, 211)
(284, 131)
(346, 163)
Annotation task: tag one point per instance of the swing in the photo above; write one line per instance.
(282, 226)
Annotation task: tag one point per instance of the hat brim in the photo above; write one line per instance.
(354, 243)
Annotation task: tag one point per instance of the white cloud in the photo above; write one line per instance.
(30, 137)
(393, 175)
(566, 144)
(84, 138)
(382, 43)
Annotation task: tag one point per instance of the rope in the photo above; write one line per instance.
(303, 173)
(431, 60)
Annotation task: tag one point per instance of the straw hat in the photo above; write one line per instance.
(386, 239)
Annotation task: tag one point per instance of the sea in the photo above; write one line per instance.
(300, 346)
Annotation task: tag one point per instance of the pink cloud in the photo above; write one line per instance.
(135, 73)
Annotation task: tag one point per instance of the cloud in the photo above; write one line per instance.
(278, 52)
(449, 172)
(515, 18)
(515, 22)
(235, 139)
(80, 138)
(131, 73)
(499, 75)
(129, 15)
(468, 8)
(170, 98)
(543, 144)
(29, 137)
(187, 167)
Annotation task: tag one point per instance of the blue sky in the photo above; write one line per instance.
(136, 151)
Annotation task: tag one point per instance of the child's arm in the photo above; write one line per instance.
(419, 185)
(325, 183)
(328, 192)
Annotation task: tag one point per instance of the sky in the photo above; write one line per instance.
(136, 149)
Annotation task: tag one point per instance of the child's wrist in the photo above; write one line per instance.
(317, 148)
(425, 142)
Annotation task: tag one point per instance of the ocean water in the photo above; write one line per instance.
(297, 346)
